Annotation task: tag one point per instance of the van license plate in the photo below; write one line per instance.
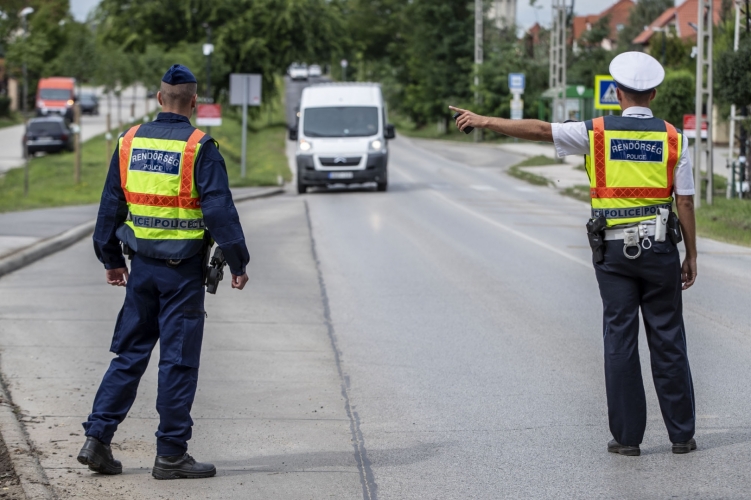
(340, 175)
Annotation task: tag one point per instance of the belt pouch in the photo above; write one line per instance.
(674, 229)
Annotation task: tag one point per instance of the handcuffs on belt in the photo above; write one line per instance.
(635, 237)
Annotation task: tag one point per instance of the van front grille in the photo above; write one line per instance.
(340, 161)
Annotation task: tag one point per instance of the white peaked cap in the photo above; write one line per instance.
(636, 71)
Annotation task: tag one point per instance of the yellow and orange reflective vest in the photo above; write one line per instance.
(157, 167)
(631, 167)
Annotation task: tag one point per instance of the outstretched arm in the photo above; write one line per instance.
(531, 130)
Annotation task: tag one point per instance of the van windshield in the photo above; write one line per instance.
(354, 121)
(54, 94)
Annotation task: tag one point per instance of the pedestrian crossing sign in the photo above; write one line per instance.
(605, 96)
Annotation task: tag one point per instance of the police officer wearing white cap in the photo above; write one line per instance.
(635, 163)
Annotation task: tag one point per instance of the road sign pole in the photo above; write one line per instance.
(245, 127)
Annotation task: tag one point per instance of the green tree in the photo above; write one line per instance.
(438, 54)
(261, 36)
(732, 76)
(600, 31)
(675, 97)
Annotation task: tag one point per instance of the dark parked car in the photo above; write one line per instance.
(49, 134)
(89, 104)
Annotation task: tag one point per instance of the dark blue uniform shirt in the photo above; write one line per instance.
(219, 211)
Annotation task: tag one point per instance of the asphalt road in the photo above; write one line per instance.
(11, 150)
(439, 340)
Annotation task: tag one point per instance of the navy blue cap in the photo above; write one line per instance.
(178, 74)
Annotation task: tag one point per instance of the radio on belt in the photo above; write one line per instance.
(661, 225)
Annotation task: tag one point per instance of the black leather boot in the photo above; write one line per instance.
(98, 456)
(685, 447)
(621, 449)
(181, 467)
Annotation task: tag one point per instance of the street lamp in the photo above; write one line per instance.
(662, 30)
(24, 13)
(208, 49)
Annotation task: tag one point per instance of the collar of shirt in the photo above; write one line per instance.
(173, 118)
(638, 112)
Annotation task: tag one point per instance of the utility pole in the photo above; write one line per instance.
(479, 20)
(24, 14)
(731, 139)
(704, 151)
(557, 79)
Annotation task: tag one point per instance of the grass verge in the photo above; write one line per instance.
(725, 220)
(9, 121)
(533, 161)
(51, 177)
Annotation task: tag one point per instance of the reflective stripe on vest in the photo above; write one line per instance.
(156, 176)
(631, 172)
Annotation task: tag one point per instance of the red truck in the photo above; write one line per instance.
(56, 96)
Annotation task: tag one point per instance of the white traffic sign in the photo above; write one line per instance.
(208, 49)
(248, 83)
(344, 63)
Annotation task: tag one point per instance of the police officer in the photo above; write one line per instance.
(635, 163)
(166, 189)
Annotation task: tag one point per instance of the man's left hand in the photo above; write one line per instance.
(239, 281)
(468, 119)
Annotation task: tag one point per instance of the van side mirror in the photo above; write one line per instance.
(390, 132)
(292, 134)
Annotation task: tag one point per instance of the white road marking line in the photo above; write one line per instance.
(483, 187)
(499, 225)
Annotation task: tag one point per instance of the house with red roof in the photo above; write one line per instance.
(681, 20)
(617, 18)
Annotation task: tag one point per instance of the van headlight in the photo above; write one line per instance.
(305, 145)
(376, 146)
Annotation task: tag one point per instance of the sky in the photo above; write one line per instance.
(526, 15)
(80, 8)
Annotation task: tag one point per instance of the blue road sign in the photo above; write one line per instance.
(516, 83)
(605, 96)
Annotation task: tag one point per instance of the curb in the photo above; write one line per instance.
(254, 196)
(30, 473)
(41, 249)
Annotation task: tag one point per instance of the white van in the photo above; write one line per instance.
(342, 136)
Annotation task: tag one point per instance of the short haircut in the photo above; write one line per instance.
(178, 95)
(637, 96)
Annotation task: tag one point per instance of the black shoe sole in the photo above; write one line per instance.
(180, 474)
(684, 448)
(628, 452)
(98, 464)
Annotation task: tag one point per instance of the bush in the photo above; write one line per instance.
(675, 97)
(732, 74)
(4, 106)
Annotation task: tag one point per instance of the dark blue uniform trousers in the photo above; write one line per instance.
(162, 304)
(651, 282)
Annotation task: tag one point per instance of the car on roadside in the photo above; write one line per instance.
(48, 134)
(297, 71)
(89, 104)
(314, 70)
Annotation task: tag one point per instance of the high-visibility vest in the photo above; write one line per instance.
(157, 167)
(631, 166)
